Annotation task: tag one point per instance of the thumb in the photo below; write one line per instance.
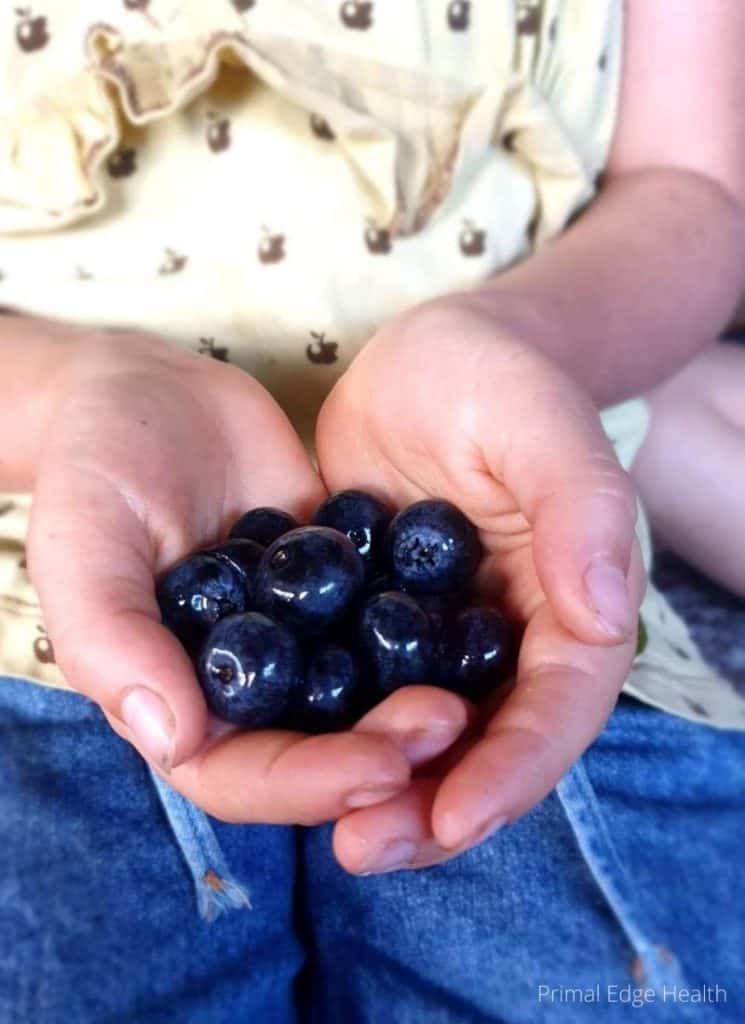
(582, 507)
(92, 563)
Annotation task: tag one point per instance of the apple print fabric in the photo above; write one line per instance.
(268, 181)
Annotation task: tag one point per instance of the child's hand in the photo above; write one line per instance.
(444, 402)
(150, 452)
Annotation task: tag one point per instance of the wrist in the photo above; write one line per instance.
(36, 355)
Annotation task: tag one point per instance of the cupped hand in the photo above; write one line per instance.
(447, 402)
(151, 452)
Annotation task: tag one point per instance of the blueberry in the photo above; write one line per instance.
(432, 548)
(309, 579)
(474, 652)
(363, 518)
(330, 698)
(198, 592)
(263, 525)
(378, 583)
(243, 555)
(438, 605)
(396, 640)
(250, 669)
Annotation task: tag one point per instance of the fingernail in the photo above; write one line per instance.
(368, 797)
(451, 835)
(397, 854)
(152, 724)
(426, 743)
(608, 595)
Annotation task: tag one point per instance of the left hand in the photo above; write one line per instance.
(447, 402)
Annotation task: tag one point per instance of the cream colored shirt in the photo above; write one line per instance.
(267, 181)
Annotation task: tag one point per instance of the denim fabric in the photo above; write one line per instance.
(624, 884)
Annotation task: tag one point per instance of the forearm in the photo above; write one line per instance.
(31, 358)
(647, 277)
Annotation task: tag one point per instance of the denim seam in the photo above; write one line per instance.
(591, 832)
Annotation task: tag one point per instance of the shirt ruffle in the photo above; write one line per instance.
(410, 134)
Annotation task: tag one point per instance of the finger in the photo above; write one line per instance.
(278, 472)
(421, 721)
(564, 693)
(561, 469)
(285, 778)
(391, 836)
(93, 562)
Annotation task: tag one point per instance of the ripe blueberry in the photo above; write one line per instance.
(396, 640)
(432, 548)
(198, 592)
(263, 525)
(331, 694)
(309, 578)
(362, 518)
(250, 669)
(474, 652)
(243, 555)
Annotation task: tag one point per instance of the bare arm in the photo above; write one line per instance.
(655, 268)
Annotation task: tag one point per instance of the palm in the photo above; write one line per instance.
(151, 454)
(442, 405)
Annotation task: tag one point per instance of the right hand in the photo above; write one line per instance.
(150, 452)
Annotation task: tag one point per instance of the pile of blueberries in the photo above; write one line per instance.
(308, 627)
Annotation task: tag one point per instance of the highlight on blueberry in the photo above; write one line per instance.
(243, 555)
(309, 578)
(331, 698)
(474, 652)
(432, 548)
(263, 525)
(361, 517)
(397, 641)
(198, 592)
(250, 670)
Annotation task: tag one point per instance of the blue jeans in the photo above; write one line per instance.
(624, 886)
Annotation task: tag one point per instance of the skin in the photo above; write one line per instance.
(489, 399)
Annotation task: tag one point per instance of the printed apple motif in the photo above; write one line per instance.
(472, 240)
(173, 263)
(243, 5)
(271, 247)
(321, 352)
(529, 17)
(356, 14)
(142, 7)
(218, 132)
(321, 128)
(122, 163)
(207, 347)
(31, 32)
(43, 647)
(377, 240)
(459, 12)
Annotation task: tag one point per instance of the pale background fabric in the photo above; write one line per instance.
(269, 182)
